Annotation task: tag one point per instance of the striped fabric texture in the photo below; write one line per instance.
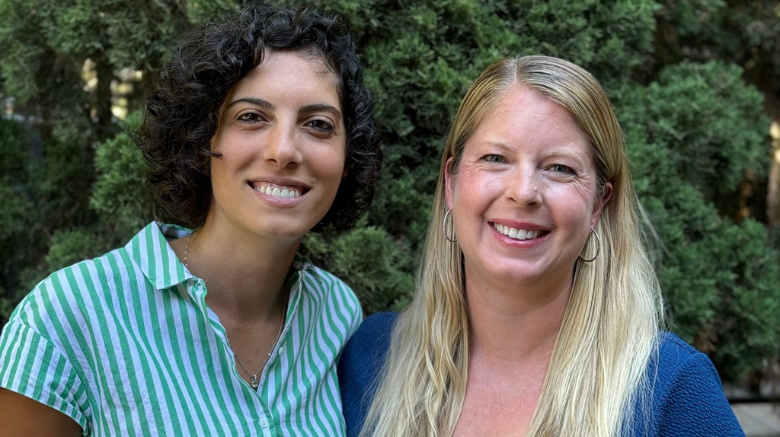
(125, 345)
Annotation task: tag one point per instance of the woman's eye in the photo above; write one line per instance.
(320, 125)
(250, 116)
(560, 168)
(493, 158)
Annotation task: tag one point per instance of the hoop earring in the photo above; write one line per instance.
(598, 248)
(445, 227)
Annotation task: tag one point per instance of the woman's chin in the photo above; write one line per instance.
(513, 274)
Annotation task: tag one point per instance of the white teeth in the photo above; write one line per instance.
(283, 193)
(517, 234)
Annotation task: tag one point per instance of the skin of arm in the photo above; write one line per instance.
(20, 415)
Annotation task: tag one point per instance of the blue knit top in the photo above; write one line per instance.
(687, 398)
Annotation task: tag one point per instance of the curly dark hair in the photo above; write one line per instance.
(182, 114)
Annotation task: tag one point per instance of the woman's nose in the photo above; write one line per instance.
(282, 148)
(523, 187)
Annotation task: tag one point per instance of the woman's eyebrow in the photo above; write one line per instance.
(563, 153)
(265, 104)
(496, 143)
(317, 107)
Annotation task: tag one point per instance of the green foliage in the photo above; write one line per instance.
(47, 45)
(120, 195)
(41, 194)
(692, 136)
(71, 246)
(369, 260)
(711, 126)
(746, 32)
(691, 17)
(205, 11)
(745, 327)
(16, 207)
(18, 213)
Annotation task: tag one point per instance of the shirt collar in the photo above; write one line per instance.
(159, 263)
(151, 251)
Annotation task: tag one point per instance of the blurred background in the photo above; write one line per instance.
(695, 85)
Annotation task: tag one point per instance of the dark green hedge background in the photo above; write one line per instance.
(688, 80)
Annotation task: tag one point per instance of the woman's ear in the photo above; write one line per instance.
(449, 183)
(600, 204)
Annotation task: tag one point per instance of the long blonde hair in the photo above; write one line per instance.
(597, 371)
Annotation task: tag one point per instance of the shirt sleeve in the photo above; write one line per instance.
(693, 403)
(32, 366)
(356, 316)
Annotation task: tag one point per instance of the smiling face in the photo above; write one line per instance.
(523, 197)
(283, 145)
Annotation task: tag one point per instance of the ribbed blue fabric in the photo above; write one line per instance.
(687, 399)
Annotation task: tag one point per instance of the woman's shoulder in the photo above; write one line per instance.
(75, 296)
(320, 281)
(67, 291)
(368, 345)
(330, 293)
(360, 365)
(675, 356)
(52, 332)
(672, 342)
(687, 394)
(377, 325)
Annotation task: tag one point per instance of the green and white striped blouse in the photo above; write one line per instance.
(125, 345)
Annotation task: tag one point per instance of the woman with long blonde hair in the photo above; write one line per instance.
(537, 312)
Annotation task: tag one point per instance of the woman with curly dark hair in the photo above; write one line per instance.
(260, 131)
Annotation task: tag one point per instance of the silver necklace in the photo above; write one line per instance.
(254, 381)
(187, 249)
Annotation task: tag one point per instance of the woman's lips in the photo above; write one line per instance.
(281, 191)
(282, 195)
(519, 234)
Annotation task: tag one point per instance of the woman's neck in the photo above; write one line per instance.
(508, 325)
(245, 275)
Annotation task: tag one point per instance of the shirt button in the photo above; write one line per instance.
(263, 423)
(281, 351)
